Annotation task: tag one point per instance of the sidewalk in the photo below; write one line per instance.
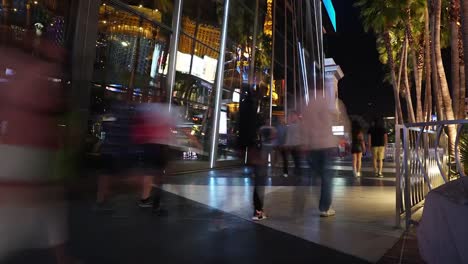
(192, 233)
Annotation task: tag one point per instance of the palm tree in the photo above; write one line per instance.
(413, 20)
(381, 16)
(407, 91)
(464, 7)
(427, 65)
(455, 62)
(444, 89)
(461, 107)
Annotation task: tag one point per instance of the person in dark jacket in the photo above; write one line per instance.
(250, 144)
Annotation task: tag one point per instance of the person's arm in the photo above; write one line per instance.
(369, 140)
(363, 142)
(385, 140)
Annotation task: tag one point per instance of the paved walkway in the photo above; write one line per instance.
(363, 226)
(209, 222)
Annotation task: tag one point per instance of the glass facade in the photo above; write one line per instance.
(273, 51)
(47, 20)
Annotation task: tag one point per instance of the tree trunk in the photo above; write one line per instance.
(427, 64)
(418, 85)
(435, 79)
(455, 59)
(396, 93)
(461, 108)
(464, 7)
(444, 89)
(408, 97)
(417, 71)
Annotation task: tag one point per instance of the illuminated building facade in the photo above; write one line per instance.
(198, 55)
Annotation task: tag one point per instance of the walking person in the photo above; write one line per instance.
(320, 144)
(293, 142)
(281, 131)
(357, 147)
(250, 144)
(114, 147)
(378, 138)
(151, 133)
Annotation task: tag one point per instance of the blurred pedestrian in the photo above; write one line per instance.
(358, 147)
(250, 145)
(320, 144)
(32, 208)
(115, 149)
(281, 131)
(378, 139)
(152, 134)
(293, 143)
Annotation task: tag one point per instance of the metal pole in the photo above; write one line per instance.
(272, 68)
(254, 47)
(398, 192)
(219, 86)
(176, 19)
(407, 177)
(294, 54)
(322, 53)
(285, 61)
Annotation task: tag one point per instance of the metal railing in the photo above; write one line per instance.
(423, 162)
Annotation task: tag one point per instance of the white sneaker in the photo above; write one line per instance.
(328, 213)
(285, 175)
(380, 175)
(259, 215)
(358, 174)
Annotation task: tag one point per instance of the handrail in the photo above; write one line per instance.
(425, 162)
(437, 123)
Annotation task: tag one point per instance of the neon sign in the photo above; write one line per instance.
(331, 11)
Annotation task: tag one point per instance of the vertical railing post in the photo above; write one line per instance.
(397, 159)
(407, 190)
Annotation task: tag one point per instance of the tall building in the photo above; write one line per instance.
(194, 56)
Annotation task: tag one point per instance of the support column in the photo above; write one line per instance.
(82, 58)
(176, 25)
(219, 86)
(272, 67)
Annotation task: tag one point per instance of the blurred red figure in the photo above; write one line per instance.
(32, 207)
(152, 134)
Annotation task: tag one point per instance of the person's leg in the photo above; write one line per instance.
(147, 187)
(374, 159)
(381, 159)
(259, 191)
(359, 162)
(296, 154)
(326, 186)
(355, 168)
(157, 191)
(284, 155)
(259, 163)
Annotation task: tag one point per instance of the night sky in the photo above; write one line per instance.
(362, 89)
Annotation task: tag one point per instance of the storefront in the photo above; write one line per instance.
(202, 56)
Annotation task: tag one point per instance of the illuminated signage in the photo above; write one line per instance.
(331, 11)
(223, 123)
(338, 130)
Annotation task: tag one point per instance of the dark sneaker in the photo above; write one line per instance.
(259, 216)
(145, 203)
